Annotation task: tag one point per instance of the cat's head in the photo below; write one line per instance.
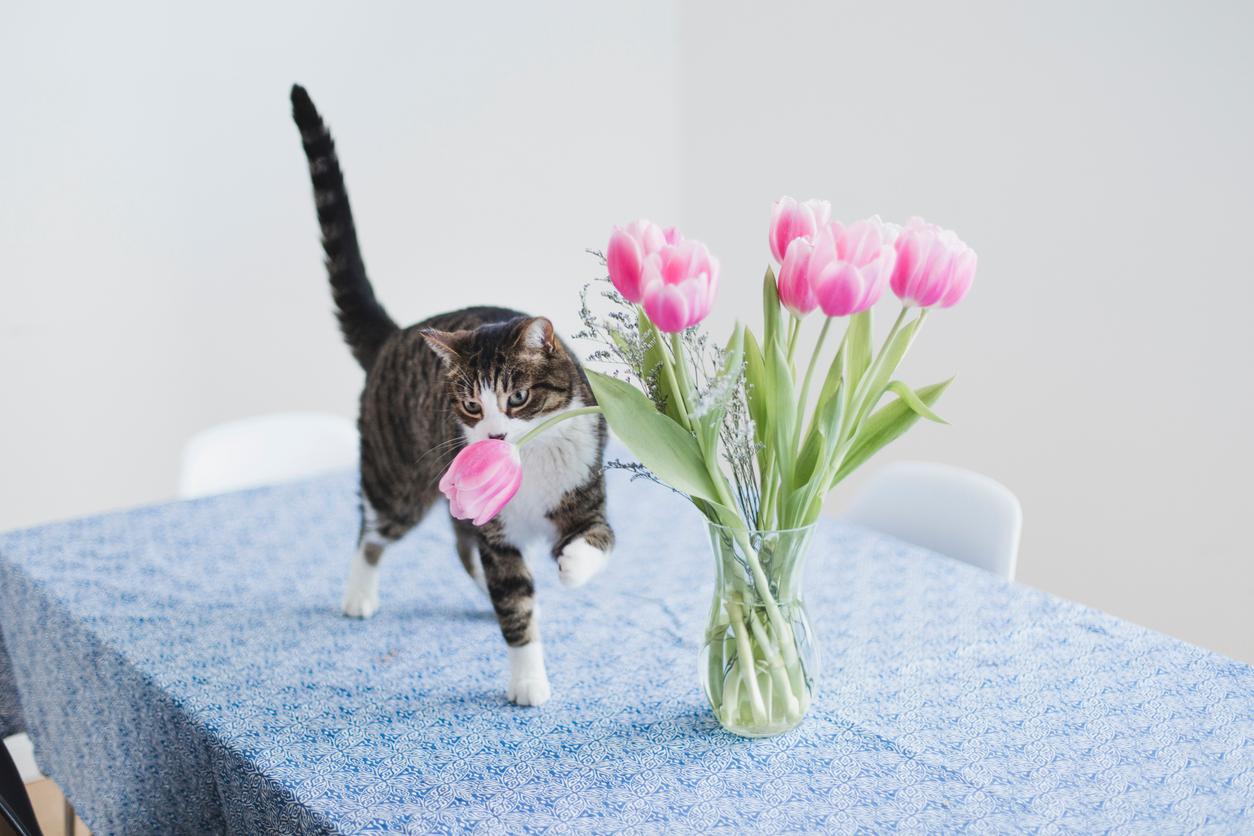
(504, 378)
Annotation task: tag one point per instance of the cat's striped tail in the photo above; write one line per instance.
(364, 322)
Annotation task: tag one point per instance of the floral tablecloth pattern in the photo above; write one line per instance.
(184, 668)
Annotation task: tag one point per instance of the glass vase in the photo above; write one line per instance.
(759, 661)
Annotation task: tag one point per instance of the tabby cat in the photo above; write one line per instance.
(450, 380)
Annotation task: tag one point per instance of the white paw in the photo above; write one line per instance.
(528, 682)
(578, 562)
(361, 596)
(534, 691)
(360, 603)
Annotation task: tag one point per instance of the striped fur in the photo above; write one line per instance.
(362, 319)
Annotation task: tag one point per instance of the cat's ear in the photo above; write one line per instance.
(446, 344)
(537, 334)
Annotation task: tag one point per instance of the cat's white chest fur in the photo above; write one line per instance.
(554, 463)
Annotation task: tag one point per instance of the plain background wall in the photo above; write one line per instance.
(161, 271)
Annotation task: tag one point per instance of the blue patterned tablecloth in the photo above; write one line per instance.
(184, 669)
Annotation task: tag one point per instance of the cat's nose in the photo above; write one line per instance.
(498, 436)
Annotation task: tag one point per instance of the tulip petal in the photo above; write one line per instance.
(936, 274)
(479, 469)
(496, 496)
(501, 499)
(839, 289)
(648, 235)
(667, 307)
(876, 276)
(789, 220)
(821, 210)
(482, 479)
(793, 283)
(934, 267)
(964, 274)
(909, 256)
(623, 257)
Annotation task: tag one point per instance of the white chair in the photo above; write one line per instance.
(956, 512)
(265, 449)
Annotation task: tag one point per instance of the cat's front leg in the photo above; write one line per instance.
(513, 598)
(585, 539)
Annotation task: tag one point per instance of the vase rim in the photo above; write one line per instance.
(799, 528)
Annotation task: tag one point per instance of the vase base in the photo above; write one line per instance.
(753, 734)
(755, 730)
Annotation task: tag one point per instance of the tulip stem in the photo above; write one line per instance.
(862, 395)
(805, 383)
(872, 398)
(557, 419)
(681, 369)
(668, 372)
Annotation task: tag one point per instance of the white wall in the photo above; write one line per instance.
(161, 270)
(1098, 157)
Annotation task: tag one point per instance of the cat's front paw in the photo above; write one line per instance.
(528, 681)
(578, 562)
(533, 691)
(360, 603)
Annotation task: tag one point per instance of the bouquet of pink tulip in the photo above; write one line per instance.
(736, 429)
(686, 417)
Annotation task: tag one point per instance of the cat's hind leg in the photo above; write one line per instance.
(361, 593)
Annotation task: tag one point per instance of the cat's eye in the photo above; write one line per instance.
(471, 407)
(518, 397)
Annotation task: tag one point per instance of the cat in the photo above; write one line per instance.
(450, 380)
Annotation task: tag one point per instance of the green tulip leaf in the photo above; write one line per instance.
(808, 458)
(835, 374)
(890, 359)
(828, 420)
(885, 426)
(661, 445)
(770, 311)
(858, 345)
(821, 440)
(783, 409)
(756, 387)
(907, 394)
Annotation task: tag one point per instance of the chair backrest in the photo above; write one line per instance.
(956, 512)
(15, 807)
(265, 449)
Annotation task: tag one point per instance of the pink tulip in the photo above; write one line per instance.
(850, 266)
(796, 292)
(791, 220)
(934, 267)
(628, 248)
(679, 282)
(482, 480)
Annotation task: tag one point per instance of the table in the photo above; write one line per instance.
(184, 668)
